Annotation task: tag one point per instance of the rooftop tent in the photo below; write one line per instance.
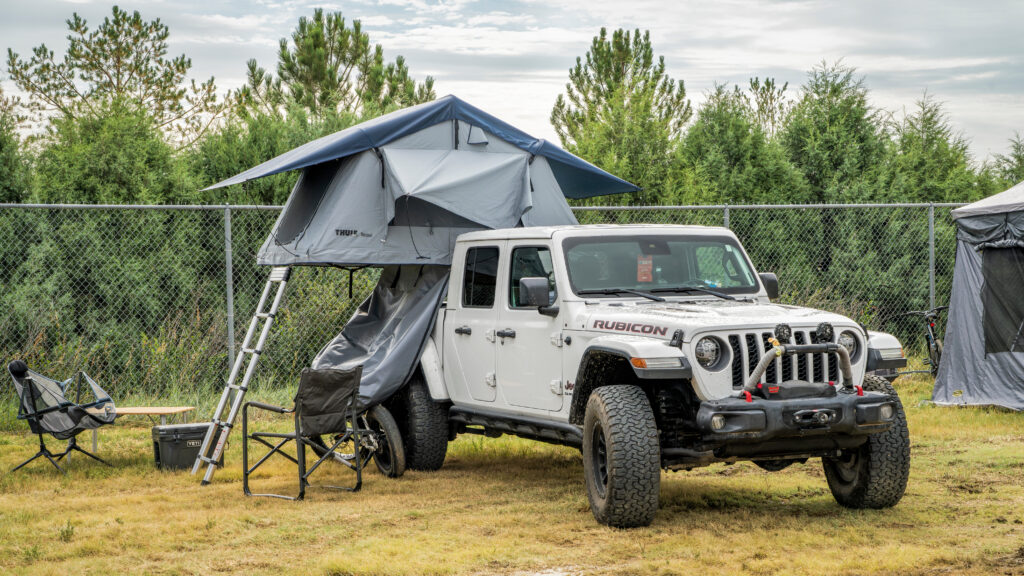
(983, 359)
(398, 189)
(395, 192)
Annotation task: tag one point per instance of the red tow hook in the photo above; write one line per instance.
(832, 383)
(747, 396)
(860, 390)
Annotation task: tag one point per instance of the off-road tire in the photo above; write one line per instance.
(621, 456)
(873, 475)
(425, 433)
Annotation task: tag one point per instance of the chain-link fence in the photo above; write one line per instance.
(155, 299)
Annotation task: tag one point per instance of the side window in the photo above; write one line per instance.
(530, 262)
(480, 277)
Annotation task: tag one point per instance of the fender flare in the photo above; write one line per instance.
(433, 373)
(625, 372)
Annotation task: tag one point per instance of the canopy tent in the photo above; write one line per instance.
(983, 358)
(395, 192)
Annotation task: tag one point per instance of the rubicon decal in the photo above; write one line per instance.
(630, 327)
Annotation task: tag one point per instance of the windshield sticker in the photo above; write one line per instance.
(630, 327)
(644, 268)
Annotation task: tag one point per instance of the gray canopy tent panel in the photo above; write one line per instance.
(983, 359)
(395, 192)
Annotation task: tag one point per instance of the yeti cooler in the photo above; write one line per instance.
(175, 446)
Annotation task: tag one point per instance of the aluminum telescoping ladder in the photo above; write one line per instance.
(248, 356)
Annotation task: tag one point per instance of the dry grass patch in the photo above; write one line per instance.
(509, 506)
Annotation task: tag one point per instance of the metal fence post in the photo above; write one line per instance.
(931, 255)
(725, 216)
(229, 284)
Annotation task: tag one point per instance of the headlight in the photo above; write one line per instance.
(707, 352)
(849, 341)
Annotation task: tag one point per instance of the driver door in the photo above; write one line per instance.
(530, 361)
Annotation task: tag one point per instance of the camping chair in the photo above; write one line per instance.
(44, 404)
(326, 404)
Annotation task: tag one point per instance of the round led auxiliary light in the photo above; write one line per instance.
(824, 333)
(783, 333)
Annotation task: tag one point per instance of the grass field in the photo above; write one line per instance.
(509, 506)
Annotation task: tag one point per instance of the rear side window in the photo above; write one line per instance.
(480, 278)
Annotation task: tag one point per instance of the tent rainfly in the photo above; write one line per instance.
(395, 192)
(983, 358)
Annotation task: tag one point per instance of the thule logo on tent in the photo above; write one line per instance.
(344, 232)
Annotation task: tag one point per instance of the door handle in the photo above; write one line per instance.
(506, 333)
(464, 330)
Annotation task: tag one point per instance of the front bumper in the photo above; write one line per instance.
(739, 421)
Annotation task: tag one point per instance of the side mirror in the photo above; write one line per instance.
(771, 284)
(534, 292)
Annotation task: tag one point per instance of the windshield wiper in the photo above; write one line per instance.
(695, 289)
(612, 291)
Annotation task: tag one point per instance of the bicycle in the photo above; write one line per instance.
(934, 342)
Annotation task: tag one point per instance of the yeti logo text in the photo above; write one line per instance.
(628, 327)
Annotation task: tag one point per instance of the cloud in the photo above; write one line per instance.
(512, 56)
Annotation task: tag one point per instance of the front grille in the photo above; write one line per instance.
(747, 349)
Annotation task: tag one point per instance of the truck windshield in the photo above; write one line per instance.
(690, 264)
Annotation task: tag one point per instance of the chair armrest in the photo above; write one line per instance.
(269, 407)
(63, 407)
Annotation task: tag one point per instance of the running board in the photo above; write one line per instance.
(523, 426)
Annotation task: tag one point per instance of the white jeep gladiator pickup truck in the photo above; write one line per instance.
(651, 347)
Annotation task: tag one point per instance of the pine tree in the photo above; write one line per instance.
(123, 61)
(623, 112)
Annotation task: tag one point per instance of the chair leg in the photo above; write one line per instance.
(54, 462)
(74, 446)
(43, 451)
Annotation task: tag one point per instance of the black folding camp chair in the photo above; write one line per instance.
(44, 404)
(326, 405)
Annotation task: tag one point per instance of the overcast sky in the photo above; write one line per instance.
(511, 58)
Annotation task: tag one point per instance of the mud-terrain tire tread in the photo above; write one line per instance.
(426, 430)
(633, 454)
(883, 480)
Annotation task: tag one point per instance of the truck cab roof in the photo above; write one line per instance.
(547, 232)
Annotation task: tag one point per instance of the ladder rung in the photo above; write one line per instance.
(207, 460)
(265, 314)
(251, 351)
(236, 387)
(279, 273)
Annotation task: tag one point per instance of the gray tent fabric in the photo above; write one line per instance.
(349, 211)
(387, 334)
(983, 357)
(1011, 200)
(465, 125)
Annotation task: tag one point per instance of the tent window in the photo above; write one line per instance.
(480, 279)
(1003, 271)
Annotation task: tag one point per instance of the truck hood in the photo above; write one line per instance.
(661, 319)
